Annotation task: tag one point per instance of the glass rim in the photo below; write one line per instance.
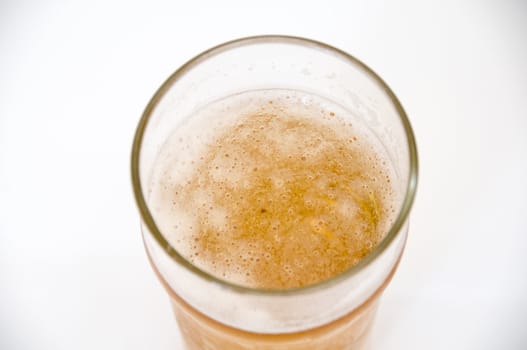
(149, 221)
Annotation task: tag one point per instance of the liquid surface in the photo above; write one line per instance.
(286, 190)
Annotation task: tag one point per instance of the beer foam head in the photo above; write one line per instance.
(273, 189)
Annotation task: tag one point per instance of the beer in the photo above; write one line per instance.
(273, 189)
(349, 332)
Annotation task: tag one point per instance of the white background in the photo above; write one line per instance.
(75, 77)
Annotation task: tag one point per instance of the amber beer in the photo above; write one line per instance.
(272, 215)
(347, 333)
(282, 195)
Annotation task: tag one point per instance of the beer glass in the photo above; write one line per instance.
(336, 313)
